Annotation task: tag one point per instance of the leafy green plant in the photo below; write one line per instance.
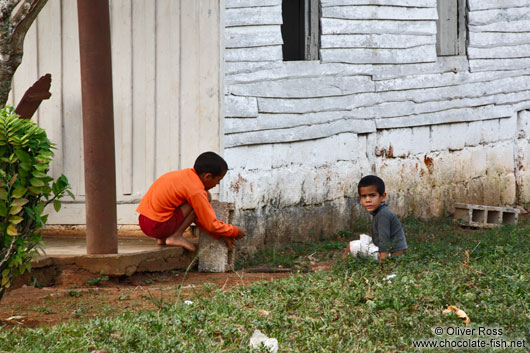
(25, 191)
(97, 280)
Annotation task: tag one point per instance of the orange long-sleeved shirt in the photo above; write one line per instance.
(176, 188)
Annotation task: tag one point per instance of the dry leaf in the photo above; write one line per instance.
(459, 312)
(264, 312)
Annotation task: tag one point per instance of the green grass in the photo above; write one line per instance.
(349, 309)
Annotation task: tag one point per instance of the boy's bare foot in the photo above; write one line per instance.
(161, 241)
(180, 241)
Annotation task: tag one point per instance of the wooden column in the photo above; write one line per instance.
(98, 126)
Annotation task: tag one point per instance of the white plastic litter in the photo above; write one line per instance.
(258, 338)
(389, 277)
(189, 302)
(364, 247)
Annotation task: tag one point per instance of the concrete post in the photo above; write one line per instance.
(98, 126)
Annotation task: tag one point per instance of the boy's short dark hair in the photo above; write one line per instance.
(370, 180)
(210, 162)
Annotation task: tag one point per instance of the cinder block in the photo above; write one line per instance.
(485, 216)
(214, 256)
(490, 131)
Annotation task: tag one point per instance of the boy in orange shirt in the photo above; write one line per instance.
(181, 197)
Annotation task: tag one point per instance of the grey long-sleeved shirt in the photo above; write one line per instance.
(387, 232)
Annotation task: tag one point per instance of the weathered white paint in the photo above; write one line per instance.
(476, 5)
(339, 26)
(253, 36)
(492, 39)
(499, 64)
(519, 51)
(251, 3)
(387, 41)
(438, 129)
(270, 53)
(424, 53)
(241, 107)
(253, 16)
(404, 3)
(379, 13)
(305, 87)
(166, 80)
(504, 26)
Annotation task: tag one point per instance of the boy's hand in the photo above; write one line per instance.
(230, 242)
(241, 233)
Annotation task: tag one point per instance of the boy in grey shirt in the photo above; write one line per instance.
(387, 233)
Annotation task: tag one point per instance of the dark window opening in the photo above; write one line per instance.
(301, 29)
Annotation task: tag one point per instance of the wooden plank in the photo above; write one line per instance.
(403, 3)
(322, 86)
(270, 53)
(386, 41)
(518, 51)
(445, 117)
(72, 109)
(189, 83)
(167, 85)
(209, 77)
(281, 121)
(504, 27)
(241, 107)
(475, 5)
(300, 133)
(253, 16)
(498, 64)
(479, 18)
(121, 39)
(379, 13)
(143, 51)
(493, 39)
(253, 36)
(424, 53)
(447, 28)
(339, 26)
(230, 4)
(50, 61)
(313, 33)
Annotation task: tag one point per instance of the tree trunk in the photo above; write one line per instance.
(16, 17)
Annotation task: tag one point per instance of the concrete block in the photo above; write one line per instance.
(214, 256)
(523, 124)
(439, 137)
(394, 142)
(490, 131)
(420, 140)
(500, 158)
(507, 128)
(474, 133)
(457, 136)
(485, 216)
(236, 157)
(241, 107)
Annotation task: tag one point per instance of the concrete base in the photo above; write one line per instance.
(134, 255)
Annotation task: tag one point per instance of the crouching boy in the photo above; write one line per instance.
(181, 197)
(387, 233)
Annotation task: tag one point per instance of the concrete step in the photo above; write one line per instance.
(135, 254)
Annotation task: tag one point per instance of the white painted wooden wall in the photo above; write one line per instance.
(166, 83)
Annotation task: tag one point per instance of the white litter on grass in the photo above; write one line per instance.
(188, 302)
(364, 247)
(389, 277)
(16, 317)
(259, 338)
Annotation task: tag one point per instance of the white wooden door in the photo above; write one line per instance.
(166, 58)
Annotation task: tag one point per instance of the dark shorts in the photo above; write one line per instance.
(161, 230)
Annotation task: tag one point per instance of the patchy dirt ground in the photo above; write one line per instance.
(81, 295)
